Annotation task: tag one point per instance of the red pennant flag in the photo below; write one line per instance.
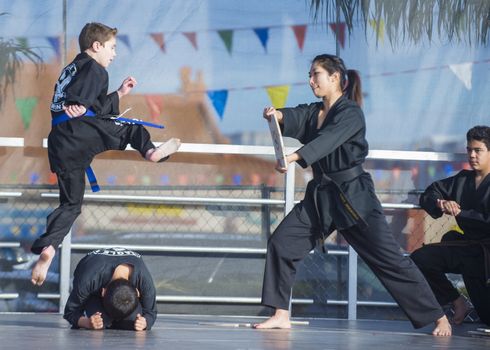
(191, 36)
(299, 33)
(158, 37)
(155, 105)
(339, 31)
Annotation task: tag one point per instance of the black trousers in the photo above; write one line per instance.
(295, 237)
(59, 222)
(72, 182)
(435, 261)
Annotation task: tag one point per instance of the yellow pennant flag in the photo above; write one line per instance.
(379, 28)
(278, 95)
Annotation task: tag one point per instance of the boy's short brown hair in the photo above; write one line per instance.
(93, 32)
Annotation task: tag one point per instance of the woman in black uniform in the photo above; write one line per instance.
(340, 197)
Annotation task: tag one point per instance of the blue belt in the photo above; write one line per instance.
(89, 171)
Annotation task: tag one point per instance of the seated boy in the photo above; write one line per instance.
(466, 197)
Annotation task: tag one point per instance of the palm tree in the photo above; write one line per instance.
(11, 54)
(412, 20)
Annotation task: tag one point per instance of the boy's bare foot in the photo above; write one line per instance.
(279, 320)
(40, 270)
(164, 150)
(443, 328)
(461, 309)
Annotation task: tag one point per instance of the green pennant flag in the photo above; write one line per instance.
(22, 41)
(227, 37)
(25, 107)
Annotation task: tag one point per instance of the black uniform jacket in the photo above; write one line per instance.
(74, 143)
(474, 218)
(95, 271)
(339, 144)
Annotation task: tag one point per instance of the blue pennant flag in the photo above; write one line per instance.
(124, 38)
(55, 44)
(263, 35)
(219, 97)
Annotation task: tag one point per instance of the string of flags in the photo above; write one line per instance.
(338, 29)
(277, 94)
(226, 36)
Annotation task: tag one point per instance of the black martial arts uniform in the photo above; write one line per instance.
(467, 254)
(74, 143)
(341, 196)
(94, 272)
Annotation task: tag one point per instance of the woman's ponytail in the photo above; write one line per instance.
(353, 90)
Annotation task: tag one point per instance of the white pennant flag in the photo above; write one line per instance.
(463, 72)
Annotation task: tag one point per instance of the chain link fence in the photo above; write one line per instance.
(181, 274)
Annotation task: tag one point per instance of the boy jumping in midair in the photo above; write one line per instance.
(82, 127)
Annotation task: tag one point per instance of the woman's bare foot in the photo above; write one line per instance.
(40, 270)
(279, 320)
(164, 150)
(443, 328)
(461, 309)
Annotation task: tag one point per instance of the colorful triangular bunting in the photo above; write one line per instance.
(339, 30)
(22, 41)
(25, 107)
(218, 98)
(54, 41)
(227, 37)
(278, 95)
(379, 29)
(158, 37)
(124, 39)
(464, 73)
(191, 36)
(263, 35)
(300, 33)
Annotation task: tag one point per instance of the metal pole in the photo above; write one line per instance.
(64, 47)
(65, 251)
(289, 188)
(352, 286)
(337, 28)
(65, 260)
(289, 198)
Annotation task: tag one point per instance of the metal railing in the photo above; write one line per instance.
(352, 301)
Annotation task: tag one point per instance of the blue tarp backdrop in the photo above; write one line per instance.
(416, 97)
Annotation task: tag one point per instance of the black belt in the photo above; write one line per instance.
(334, 179)
(338, 177)
(485, 246)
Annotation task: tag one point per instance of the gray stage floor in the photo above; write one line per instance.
(51, 332)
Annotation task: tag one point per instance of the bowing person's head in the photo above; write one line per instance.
(119, 298)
